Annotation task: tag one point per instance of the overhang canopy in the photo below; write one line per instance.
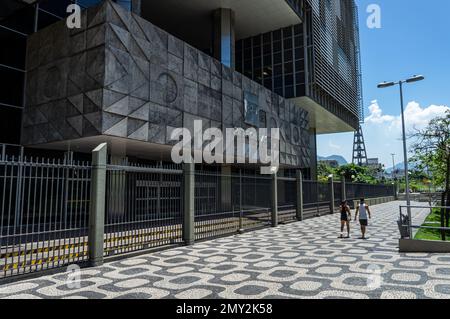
(320, 119)
(252, 17)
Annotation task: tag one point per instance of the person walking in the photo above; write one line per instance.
(364, 215)
(346, 216)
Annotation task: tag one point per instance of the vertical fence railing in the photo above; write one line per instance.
(45, 207)
(316, 198)
(230, 203)
(143, 208)
(355, 191)
(44, 214)
(287, 199)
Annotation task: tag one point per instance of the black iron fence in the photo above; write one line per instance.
(143, 208)
(228, 203)
(43, 214)
(56, 213)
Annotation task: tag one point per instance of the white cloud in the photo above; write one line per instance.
(376, 114)
(416, 117)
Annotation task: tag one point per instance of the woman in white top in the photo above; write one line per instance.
(364, 215)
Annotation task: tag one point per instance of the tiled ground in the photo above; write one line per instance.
(300, 260)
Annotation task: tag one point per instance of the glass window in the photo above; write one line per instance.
(22, 20)
(267, 38)
(277, 35)
(277, 58)
(288, 68)
(289, 80)
(288, 55)
(46, 19)
(277, 46)
(288, 44)
(10, 124)
(287, 32)
(301, 91)
(289, 92)
(13, 52)
(57, 7)
(299, 53)
(12, 82)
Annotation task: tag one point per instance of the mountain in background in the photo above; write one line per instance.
(341, 160)
(400, 167)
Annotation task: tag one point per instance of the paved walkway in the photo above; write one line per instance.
(299, 260)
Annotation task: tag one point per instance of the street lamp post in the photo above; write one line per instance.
(384, 85)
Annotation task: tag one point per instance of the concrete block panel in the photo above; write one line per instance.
(122, 76)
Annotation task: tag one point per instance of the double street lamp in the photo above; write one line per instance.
(384, 85)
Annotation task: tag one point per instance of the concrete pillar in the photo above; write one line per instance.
(343, 189)
(97, 209)
(274, 190)
(299, 192)
(313, 155)
(224, 36)
(188, 202)
(331, 190)
(225, 189)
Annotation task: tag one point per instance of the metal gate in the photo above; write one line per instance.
(143, 208)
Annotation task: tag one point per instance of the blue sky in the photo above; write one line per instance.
(414, 38)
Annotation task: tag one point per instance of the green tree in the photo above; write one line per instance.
(432, 150)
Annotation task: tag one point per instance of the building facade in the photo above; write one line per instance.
(138, 69)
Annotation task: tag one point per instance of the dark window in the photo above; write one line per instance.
(288, 44)
(277, 46)
(301, 90)
(57, 7)
(12, 52)
(22, 20)
(10, 124)
(277, 35)
(277, 58)
(11, 83)
(288, 68)
(46, 19)
(287, 32)
(289, 92)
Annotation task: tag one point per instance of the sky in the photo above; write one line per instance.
(414, 38)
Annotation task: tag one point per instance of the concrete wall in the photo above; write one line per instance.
(121, 76)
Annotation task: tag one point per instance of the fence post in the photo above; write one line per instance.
(97, 211)
(331, 186)
(343, 189)
(274, 190)
(299, 209)
(188, 203)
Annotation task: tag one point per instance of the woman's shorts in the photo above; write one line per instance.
(363, 222)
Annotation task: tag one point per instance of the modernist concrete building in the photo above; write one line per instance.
(136, 70)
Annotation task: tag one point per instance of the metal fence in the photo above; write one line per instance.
(287, 199)
(52, 213)
(356, 191)
(143, 208)
(44, 214)
(316, 198)
(230, 203)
